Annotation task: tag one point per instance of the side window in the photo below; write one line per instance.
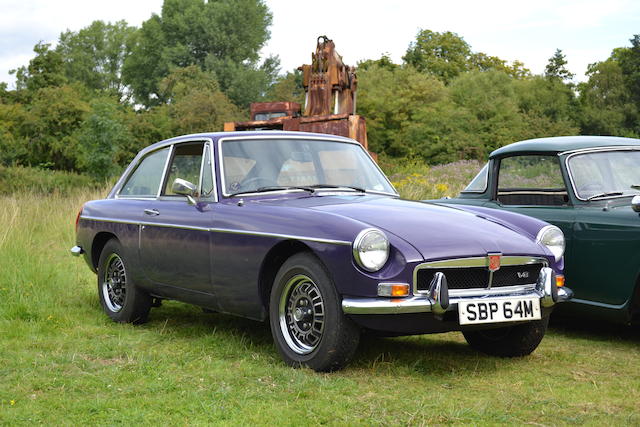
(531, 180)
(185, 164)
(145, 180)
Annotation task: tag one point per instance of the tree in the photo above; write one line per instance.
(196, 103)
(95, 55)
(100, 138)
(223, 37)
(444, 55)
(607, 106)
(287, 87)
(629, 60)
(557, 67)
(45, 70)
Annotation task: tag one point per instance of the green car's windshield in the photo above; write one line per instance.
(272, 164)
(605, 174)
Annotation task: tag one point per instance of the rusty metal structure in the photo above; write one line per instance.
(330, 101)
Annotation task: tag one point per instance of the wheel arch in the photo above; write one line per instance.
(272, 263)
(99, 241)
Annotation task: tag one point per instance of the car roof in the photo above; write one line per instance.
(560, 144)
(218, 135)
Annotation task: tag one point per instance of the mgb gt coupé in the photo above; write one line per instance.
(306, 231)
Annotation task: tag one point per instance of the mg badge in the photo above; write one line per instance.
(494, 262)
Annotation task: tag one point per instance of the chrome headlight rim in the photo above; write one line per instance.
(356, 249)
(544, 233)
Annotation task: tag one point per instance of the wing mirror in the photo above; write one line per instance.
(185, 188)
(635, 204)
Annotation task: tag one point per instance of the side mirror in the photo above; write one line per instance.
(185, 188)
(635, 203)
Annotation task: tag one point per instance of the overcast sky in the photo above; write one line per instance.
(530, 31)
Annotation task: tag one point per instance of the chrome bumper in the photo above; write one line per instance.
(77, 251)
(439, 301)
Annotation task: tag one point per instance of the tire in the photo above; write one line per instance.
(511, 341)
(307, 323)
(121, 300)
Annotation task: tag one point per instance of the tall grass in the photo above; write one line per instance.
(62, 362)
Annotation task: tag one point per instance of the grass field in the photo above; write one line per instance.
(63, 362)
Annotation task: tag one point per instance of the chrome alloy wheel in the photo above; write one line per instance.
(114, 283)
(301, 311)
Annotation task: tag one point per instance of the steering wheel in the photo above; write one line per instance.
(255, 181)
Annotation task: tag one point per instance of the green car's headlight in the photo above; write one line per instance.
(371, 249)
(553, 238)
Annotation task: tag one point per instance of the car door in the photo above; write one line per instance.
(175, 237)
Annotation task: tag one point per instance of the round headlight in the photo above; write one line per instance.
(371, 249)
(553, 238)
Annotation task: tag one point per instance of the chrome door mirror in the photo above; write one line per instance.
(185, 188)
(635, 203)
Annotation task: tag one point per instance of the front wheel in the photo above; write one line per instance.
(307, 322)
(509, 341)
(121, 300)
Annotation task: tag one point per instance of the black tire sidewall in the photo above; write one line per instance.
(136, 304)
(512, 341)
(340, 335)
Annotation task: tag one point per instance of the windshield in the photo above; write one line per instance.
(270, 164)
(605, 173)
(479, 183)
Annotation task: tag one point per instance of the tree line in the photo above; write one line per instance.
(104, 92)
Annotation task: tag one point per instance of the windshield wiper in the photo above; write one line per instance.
(274, 188)
(611, 193)
(315, 186)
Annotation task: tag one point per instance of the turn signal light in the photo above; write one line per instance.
(559, 280)
(393, 289)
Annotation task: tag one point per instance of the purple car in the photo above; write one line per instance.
(306, 231)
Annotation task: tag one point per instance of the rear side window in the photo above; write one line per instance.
(145, 180)
(531, 180)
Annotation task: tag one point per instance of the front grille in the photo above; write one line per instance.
(457, 278)
(478, 277)
(516, 275)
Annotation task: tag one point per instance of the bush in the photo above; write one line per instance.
(18, 179)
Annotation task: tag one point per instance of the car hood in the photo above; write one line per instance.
(436, 231)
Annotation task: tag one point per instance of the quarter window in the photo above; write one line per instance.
(531, 180)
(145, 180)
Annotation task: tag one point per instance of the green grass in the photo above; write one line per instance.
(24, 180)
(64, 362)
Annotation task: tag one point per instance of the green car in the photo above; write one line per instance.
(588, 186)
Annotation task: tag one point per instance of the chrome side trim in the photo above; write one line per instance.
(505, 260)
(283, 236)
(146, 223)
(222, 230)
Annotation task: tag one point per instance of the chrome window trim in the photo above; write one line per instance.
(132, 168)
(505, 260)
(221, 230)
(206, 140)
(486, 180)
(315, 138)
(574, 153)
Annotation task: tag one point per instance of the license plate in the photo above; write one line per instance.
(498, 310)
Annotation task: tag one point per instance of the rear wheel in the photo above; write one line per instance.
(510, 341)
(121, 300)
(307, 322)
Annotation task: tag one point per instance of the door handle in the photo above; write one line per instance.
(152, 212)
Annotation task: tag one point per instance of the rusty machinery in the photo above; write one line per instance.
(330, 100)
